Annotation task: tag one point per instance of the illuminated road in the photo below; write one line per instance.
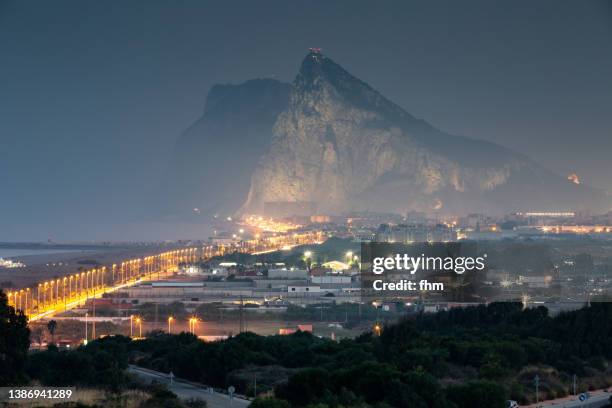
(72, 304)
(62, 294)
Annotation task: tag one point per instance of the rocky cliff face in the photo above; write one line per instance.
(342, 145)
(215, 157)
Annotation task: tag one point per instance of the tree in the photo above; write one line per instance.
(51, 326)
(305, 387)
(14, 343)
(478, 394)
(162, 398)
(196, 403)
(37, 334)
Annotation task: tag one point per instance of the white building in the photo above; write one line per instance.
(303, 289)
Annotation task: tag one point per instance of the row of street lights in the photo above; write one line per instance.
(193, 321)
(72, 289)
(75, 288)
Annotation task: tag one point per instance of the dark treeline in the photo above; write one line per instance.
(584, 334)
(473, 357)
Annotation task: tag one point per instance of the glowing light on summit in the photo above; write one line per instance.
(574, 178)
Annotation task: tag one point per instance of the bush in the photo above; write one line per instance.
(14, 343)
(478, 394)
(269, 403)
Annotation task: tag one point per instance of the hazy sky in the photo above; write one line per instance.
(93, 94)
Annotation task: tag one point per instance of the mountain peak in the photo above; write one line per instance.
(317, 70)
(313, 65)
(342, 146)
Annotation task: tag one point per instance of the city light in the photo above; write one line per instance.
(170, 319)
(139, 322)
(269, 224)
(192, 324)
(73, 290)
(574, 178)
(525, 299)
(10, 264)
(48, 298)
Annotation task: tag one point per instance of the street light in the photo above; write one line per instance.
(307, 259)
(525, 299)
(377, 329)
(85, 342)
(170, 319)
(192, 324)
(349, 257)
(131, 326)
(139, 321)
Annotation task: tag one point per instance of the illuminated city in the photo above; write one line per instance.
(323, 204)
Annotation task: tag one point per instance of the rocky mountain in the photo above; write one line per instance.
(215, 157)
(339, 145)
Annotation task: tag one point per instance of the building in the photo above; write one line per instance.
(287, 274)
(331, 279)
(416, 217)
(320, 219)
(304, 289)
(416, 233)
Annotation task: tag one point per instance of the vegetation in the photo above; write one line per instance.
(101, 363)
(472, 357)
(14, 343)
(477, 349)
(51, 326)
(158, 312)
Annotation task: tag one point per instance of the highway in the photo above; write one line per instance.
(598, 399)
(64, 293)
(82, 300)
(187, 390)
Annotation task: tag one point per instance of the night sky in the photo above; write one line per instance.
(94, 94)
